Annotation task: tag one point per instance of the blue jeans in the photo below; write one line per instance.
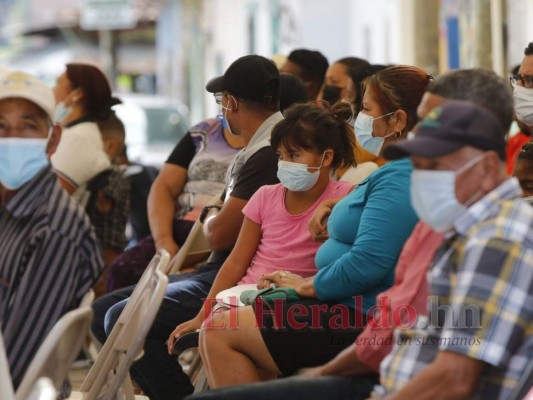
(159, 374)
(325, 387)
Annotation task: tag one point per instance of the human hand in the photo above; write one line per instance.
(167, 243)
(182, 329)
(284, 279)
(318, 222)
(264, 283)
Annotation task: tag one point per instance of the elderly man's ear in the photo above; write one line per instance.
(495, 171)
(53, 140)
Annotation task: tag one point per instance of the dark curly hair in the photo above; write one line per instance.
(526, 152)
(528, 51)
(318, 127)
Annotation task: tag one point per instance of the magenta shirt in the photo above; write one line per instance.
(285, 242)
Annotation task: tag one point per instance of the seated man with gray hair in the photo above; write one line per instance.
(477, 339)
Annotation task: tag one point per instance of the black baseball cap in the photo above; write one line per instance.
(449, 127)
(250, 77)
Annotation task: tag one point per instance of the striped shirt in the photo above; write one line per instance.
(49, 259)
(481, 298)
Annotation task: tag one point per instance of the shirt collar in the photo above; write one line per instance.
(261, 136)
(488, 205)
(31, 195)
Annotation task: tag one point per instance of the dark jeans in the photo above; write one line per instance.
(326, 387)
(157, 373)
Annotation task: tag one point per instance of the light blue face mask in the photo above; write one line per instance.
(20, 160)
(433, 196)
(363, 127)
(222, 116)
(62, 111)
(295, 177)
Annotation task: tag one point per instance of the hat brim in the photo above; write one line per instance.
(46, 107)
(428, 147)
(215, 85)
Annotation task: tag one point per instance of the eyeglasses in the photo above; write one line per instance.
(218, 97)
(527, 81)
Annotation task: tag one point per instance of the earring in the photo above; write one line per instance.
(398, 135)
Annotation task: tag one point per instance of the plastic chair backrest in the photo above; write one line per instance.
(88, 299)
(126, 340)
(6, 383)
(196, 243)
(58, 351)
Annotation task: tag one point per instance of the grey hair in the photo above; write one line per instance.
(480, 86)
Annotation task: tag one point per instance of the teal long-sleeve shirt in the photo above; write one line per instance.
(367, 230)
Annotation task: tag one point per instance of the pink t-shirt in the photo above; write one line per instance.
(285, 241)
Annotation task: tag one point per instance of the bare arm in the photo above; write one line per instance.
(451, 376)
(165, 190)
(231, 272)
(222, 228)
(318, 224)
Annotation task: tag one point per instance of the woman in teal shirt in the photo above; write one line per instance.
(359, 257)
(363, 239)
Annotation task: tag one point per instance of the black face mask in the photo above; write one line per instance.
(331, 94)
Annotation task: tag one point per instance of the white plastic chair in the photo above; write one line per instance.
(6, 383)
(43, 390)
(108, 378)
(58, 351)
(196, 243)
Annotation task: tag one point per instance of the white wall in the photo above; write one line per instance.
(520, 29)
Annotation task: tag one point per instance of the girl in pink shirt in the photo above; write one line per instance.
(311, 142)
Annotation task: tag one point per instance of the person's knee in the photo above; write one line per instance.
(112, 316)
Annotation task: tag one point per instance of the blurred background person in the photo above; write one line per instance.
(310, 66)
(83, 96)
(338, 77)
(291, 91)
(523, 169)
(522, 82)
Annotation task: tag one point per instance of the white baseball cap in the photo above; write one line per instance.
(24, 86)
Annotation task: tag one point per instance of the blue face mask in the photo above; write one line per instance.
(364, 125)
(20, 160)
(295, 177)
(222, 116)
(62, 111)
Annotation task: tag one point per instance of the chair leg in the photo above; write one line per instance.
(201, 383)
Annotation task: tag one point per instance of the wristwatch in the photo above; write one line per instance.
(206, 209)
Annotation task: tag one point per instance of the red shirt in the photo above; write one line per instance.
(514, 144)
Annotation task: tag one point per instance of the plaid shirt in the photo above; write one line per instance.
(110, 226)
(481, 302)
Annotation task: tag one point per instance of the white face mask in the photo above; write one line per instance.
(363, 132)
(433, 196)
(523, 104)
(295, 177)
